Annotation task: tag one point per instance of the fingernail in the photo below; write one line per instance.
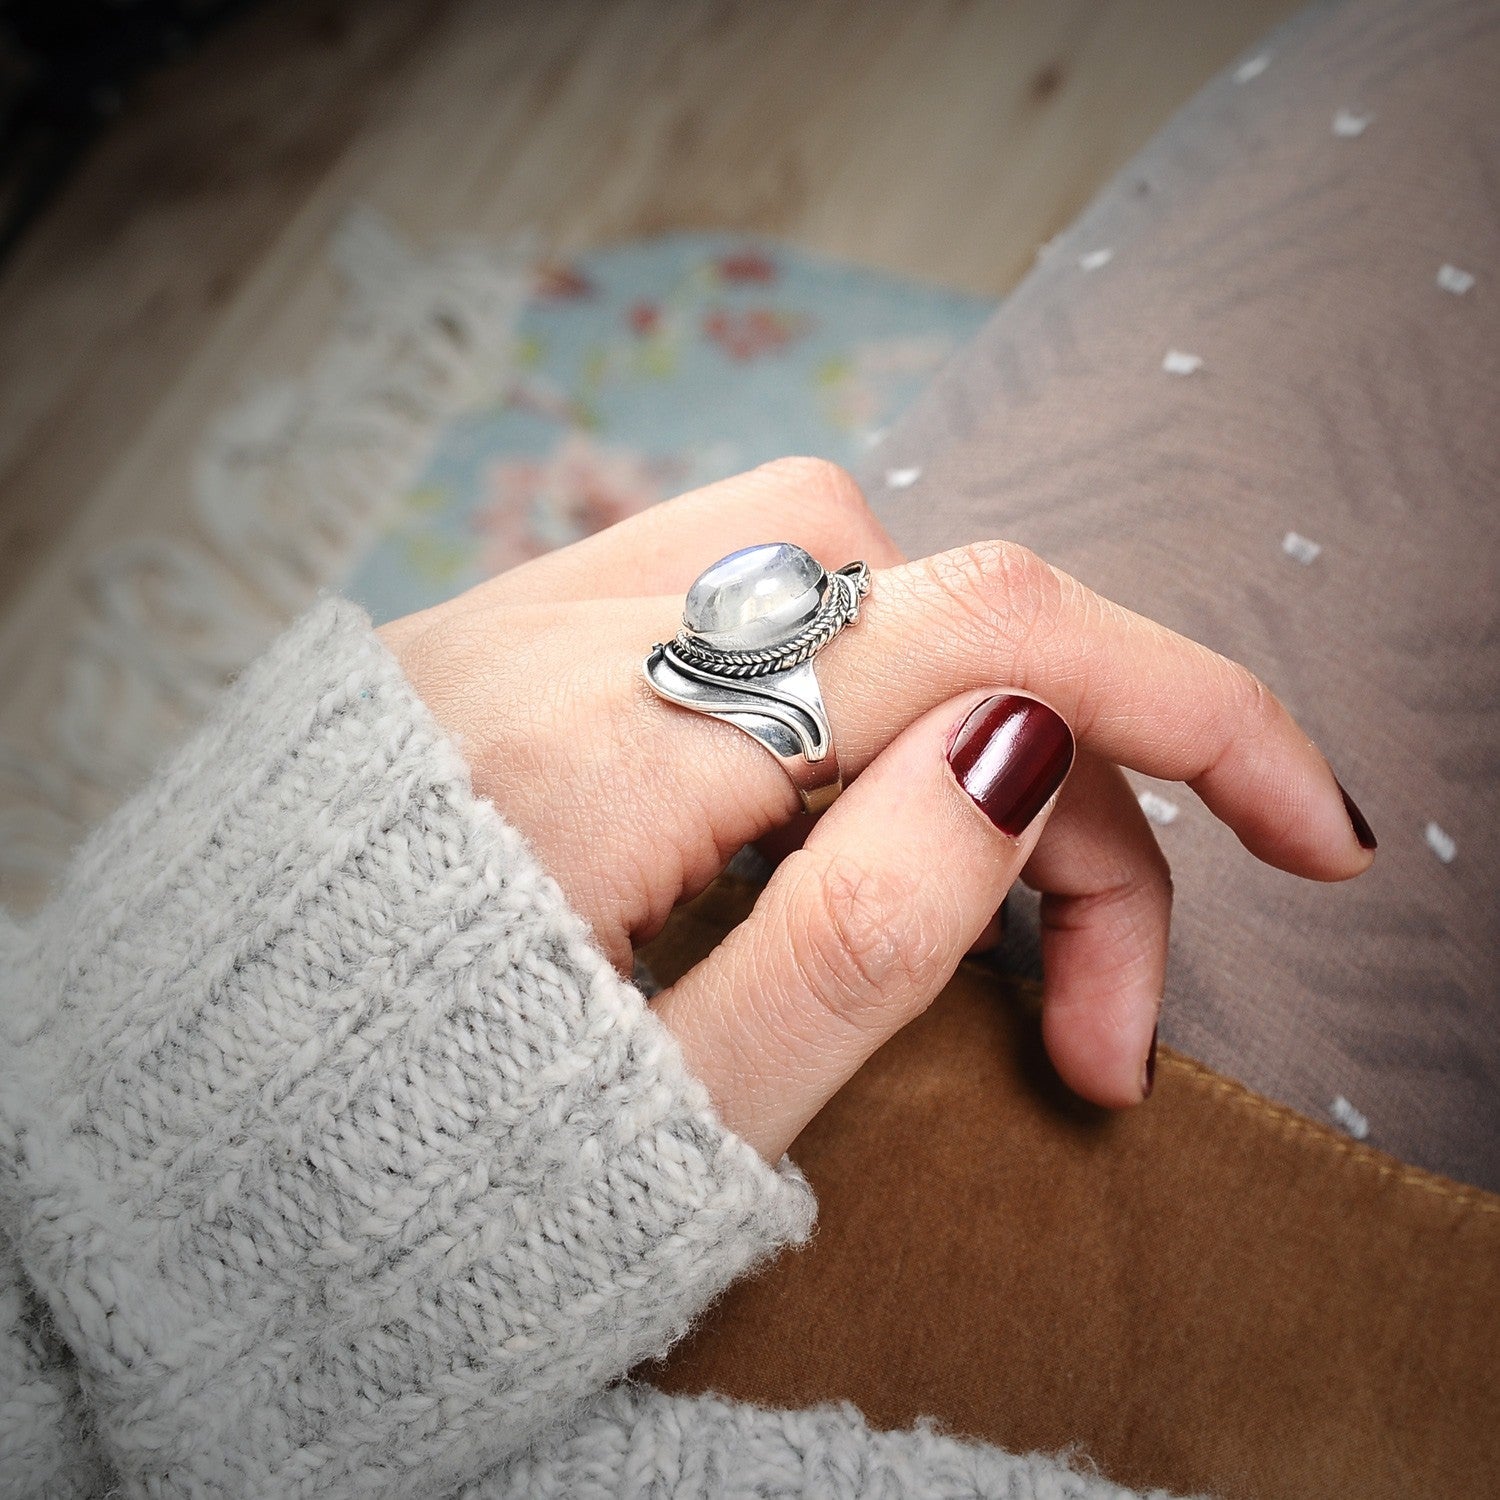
(1357, 820)
(1011, 755)
(1148, 1074)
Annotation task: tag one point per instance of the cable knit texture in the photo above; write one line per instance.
(335, 1160)
(44, 1448)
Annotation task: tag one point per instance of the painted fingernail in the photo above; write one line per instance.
(1011, 755)
(1357, 820)
(1148, 1074)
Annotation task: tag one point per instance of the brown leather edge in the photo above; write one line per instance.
(1210, 1293)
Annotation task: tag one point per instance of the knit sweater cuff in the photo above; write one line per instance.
(635, 1443)
(346, 1162)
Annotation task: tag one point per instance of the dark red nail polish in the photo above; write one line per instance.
(1010, 755)
(1362, 830)
(1148, 1078)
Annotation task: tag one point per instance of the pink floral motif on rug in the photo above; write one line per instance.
(649, 369)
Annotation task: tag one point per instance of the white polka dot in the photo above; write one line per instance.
(1347, 124)
(902, 479)
(1157, 809)
(1350, 1118)
(1300, 548)
(1442, 844)
(1451, 279)
(1178, 363)
(1252, 67)
(1095, 260)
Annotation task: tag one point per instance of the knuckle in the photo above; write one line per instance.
(1138, 881)
(1240, 713)
(819, 481)
(859, 939)
(1003, 589)
(1251, 738)
(1252, 704)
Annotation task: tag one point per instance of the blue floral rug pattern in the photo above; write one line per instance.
(649, 369)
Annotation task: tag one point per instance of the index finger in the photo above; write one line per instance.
(1133, 691)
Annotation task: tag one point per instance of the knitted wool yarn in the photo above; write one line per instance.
(336, 1161)
(635, 1443)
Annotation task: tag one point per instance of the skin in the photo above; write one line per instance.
(634, 805)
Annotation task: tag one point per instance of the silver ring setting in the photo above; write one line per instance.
(751, 626)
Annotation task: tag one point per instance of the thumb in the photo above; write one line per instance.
(859, 929)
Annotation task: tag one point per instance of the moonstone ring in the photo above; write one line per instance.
(750, 628)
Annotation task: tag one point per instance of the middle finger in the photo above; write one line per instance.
(808, 501)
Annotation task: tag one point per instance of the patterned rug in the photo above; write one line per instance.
(646, 370)
(472, 409)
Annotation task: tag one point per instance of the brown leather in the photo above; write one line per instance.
(1208, 1293)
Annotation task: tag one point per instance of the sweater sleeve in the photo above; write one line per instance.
(636, 1443)
(342, 1161)
(45, 1447)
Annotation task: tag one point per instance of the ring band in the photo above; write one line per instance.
(751, 626)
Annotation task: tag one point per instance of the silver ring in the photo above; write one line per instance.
(751, 626)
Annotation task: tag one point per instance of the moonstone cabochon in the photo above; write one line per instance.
(755, 598)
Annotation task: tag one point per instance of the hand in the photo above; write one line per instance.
(634, 804)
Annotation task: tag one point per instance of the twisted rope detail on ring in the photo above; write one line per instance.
(839, 607)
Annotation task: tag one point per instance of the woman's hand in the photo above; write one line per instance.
(633, 804)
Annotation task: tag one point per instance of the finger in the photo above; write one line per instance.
(859, 929)
(1135, 692)
(1106, 910)
(808, 501)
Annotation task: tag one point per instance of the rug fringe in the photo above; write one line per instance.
(292, 486)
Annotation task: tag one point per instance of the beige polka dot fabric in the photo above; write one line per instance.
(1255, 393)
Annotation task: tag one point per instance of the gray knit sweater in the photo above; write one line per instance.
(336, 1161)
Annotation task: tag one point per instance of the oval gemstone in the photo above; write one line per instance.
(754, 598)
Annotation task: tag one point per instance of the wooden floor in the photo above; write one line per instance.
(944, 138)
